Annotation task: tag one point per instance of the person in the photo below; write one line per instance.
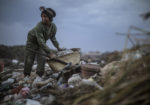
(36, 40)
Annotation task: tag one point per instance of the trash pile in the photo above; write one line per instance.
(101, 58)
(116, 83)
(125, 82)
(54, 87)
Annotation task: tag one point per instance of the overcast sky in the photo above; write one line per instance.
(87, 24)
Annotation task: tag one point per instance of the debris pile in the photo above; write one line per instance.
(124, 80)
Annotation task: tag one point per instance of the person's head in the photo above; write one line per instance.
(47, 14)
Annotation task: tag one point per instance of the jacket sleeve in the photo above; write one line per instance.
(40, 38)
(53, 38)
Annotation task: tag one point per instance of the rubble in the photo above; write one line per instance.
(80, 84)
(1, 66)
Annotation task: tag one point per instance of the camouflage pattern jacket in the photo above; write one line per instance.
(38, 36)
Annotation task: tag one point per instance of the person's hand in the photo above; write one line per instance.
(52, 55)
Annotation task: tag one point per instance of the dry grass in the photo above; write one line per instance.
(131, 87)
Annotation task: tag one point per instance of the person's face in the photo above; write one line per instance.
(45, 19)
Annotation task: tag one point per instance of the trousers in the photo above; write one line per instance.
(29, 60)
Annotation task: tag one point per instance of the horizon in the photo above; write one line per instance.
(89, 25)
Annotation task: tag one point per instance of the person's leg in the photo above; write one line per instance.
(41, 63)
(29, 60)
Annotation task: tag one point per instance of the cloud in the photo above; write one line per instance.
(13, 34)
(89, 24)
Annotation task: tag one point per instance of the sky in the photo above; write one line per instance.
(87, 24)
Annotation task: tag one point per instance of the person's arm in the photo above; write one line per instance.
(53, 38)
(40, 39)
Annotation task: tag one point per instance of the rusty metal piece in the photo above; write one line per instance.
(89, 70)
